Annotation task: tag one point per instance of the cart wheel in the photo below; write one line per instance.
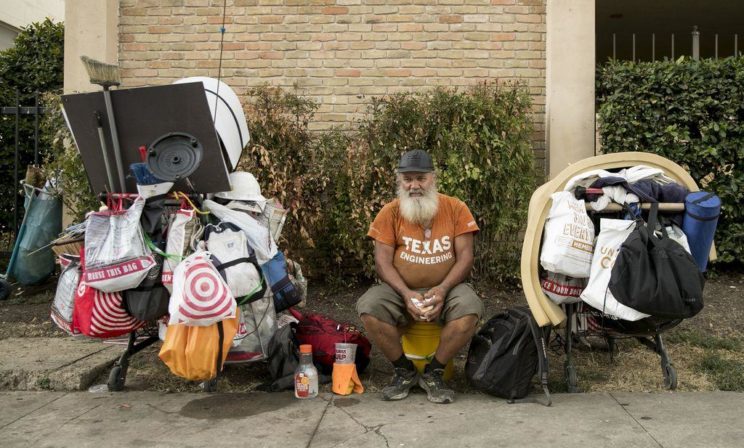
(670, 377)
(5, 289)
(117, 377)
(571, 379)
(210, 385)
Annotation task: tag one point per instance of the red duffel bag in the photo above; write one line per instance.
(323, 333)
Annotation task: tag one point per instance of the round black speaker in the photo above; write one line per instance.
(174, 156)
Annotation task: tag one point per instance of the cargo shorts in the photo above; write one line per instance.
(382, 302)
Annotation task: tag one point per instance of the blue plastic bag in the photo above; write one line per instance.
(285, 292)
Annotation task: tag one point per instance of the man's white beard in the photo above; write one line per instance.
(419, 209)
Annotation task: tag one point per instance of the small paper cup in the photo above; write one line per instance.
(345, 352)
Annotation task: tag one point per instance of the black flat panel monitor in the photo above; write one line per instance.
(142, 115)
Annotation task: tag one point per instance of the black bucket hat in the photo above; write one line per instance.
(417, 160)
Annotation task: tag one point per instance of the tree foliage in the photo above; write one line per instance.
(33, 64)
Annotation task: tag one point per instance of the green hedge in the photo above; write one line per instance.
(34, 63)
(336, 182)
(691, 112)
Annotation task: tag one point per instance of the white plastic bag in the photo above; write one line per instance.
(180, 230)
(612, 234)
(116, 257)
(64, 297)
(149, 191)
(200, 296)
(676, 234)
(568, 241)
(258, 235)
(258, 324)
(163, 327)
(562, 288)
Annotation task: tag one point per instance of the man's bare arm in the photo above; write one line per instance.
(386, 271)
(463, 264)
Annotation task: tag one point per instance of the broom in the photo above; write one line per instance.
(106, 76)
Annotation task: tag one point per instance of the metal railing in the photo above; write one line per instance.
(18, 110)
(694, 53)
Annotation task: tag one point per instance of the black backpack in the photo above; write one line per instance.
(283, 359)
(656, 275)
(149, 300)
(506, 353)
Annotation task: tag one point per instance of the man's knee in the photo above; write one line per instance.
(465, 324)
(381, 303)
(371, 307)
(462, 301)
(369, 320)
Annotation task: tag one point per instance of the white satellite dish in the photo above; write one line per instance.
(228, 116)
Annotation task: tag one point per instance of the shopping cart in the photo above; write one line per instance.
(258, 320)
(579, 319)
(583, 321)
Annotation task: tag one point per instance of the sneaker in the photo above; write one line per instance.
(402, 382)
(435, 387)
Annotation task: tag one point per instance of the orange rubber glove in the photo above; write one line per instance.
(346, 380)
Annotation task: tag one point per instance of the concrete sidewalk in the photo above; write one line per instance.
(54, 363)
(138, 419)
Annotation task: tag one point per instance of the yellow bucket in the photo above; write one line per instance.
(420, 342)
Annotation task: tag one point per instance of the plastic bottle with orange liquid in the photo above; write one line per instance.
(306, 375)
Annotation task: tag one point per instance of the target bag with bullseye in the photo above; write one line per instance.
(200, 296)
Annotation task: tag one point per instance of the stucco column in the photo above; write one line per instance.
(570, 82)
(91, 29)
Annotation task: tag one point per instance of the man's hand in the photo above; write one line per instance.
(434, 298)
(413, 310)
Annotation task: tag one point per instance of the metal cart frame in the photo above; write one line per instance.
(650, 339)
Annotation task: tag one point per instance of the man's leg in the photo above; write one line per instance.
(455, 335)
(461, 313)
(385, 337)
(383, 314)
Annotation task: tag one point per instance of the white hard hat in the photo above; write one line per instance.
(246, 206)
(244, 188)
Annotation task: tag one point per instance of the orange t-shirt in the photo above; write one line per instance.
(423, 263)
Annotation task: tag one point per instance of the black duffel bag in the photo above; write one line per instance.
(656, 275)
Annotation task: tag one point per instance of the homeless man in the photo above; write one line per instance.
(423, 254)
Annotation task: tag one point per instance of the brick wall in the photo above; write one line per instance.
(339, 52)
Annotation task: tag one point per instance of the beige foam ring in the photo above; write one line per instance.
(543, 309)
